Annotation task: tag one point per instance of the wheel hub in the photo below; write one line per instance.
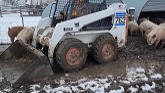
(73, 56)
(107, 52)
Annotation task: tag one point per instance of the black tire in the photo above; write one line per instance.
(100, 46)
(71, 54)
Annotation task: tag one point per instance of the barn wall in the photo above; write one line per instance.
(154, 5)
(112, 1)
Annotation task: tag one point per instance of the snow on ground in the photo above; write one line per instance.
(135, 74)
(95, 85)
(14, 19)
(98, 85)
(147, 87)
(156, 76)
(1, 78)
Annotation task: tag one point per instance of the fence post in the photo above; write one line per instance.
(0, 12)
(21, 15)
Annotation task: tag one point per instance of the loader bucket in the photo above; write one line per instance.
(21, 64)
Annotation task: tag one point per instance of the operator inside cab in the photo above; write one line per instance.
(80, 8)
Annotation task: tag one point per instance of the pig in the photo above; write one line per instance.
(26, 35)
(141, 20)
(132, 27)
(13, 32)
(146, 27)
(156, 36)
(162, 24)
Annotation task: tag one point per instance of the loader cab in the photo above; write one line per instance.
(58, 10)
(84, 7)
(62, 10)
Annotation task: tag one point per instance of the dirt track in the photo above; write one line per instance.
(136, 53)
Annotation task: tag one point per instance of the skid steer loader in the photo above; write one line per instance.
(67, 31)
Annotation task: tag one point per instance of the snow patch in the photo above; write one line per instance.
(140, 70)
(96, 85)
(133, 90)
(47, 88)
(7, 90)
(103, 80)
(147, 87)
(33, 88)
(125, 81)
(62, 82)
(1, 79)
(62, 89)
(75, 89)
(82, 80)
(156, 76)
(121, 90)
(135, 74)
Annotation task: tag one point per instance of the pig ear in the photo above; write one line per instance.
(9, 28)
(154, 36)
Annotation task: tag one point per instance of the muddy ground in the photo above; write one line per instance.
(136, 53)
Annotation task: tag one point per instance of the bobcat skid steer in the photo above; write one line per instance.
(67, 30)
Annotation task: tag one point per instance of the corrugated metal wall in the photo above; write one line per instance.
(112, 1)
(154, 5)
(151, 5)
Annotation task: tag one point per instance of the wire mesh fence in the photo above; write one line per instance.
(14, 19)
